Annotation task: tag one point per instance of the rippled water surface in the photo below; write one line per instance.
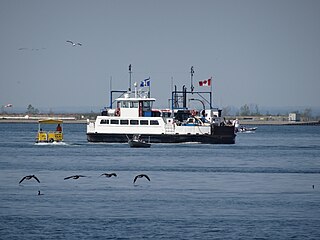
(266, 186)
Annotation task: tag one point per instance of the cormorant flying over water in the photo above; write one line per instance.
(74, 177)
(29, 177)
(141, 176)
(108, 174)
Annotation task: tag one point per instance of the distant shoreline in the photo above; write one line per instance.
(4, 120)
(285, 123)
(242, 122)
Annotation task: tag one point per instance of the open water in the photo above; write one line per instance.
(266, 186)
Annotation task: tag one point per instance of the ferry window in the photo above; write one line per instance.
(166, 114)
(134, 122)
(143, 122)
(114, 121)
(104, 121)
(124, 122)
(125, 104)
(154, 122)
(147, 105)
(133, 104)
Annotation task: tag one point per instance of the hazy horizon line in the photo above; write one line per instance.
(97, 109)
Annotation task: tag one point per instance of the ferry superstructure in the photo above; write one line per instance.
(134, 114)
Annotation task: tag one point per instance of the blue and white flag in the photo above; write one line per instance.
(145, 83)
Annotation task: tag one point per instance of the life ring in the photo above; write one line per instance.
(117, 112)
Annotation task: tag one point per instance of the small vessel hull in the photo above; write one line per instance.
(246, 130)
(138, 144)
(50, 141)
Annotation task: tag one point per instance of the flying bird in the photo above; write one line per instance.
(141, 176)
(108, 174)
(74, 44)
(29, 177)
(74, 177)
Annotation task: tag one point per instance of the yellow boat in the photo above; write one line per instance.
(53, 134)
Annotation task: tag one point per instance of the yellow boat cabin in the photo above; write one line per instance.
(49, 131)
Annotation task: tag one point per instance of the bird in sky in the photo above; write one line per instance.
(74, 177)
(74, 44)
(140, 176)
(108, 174)
(28, 178)
(8, 105)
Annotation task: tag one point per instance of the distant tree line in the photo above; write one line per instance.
(253, 110)
(306, 115)
(245, 110)
(91, 115)
(32, 110)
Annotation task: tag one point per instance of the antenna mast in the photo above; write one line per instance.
(192, 72)
(130, 72)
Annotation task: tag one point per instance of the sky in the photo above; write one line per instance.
(256, 51)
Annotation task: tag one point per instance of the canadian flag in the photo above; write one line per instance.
(205, 83)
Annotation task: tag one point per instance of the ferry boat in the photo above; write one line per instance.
(133, 114)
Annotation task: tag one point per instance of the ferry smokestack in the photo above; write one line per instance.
(175, 98)
(184, 96)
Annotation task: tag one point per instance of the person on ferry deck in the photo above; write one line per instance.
(59, 129)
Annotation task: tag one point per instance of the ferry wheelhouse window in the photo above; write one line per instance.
(104, 121)
(134, 122)
(166, 114)
(125, 104)
(147, 105)
(134, 104)
(143, 122)
(124, 122)
(114, 121)
(154, 122)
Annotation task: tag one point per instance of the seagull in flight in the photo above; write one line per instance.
(108, 174)
(29, 177)
(74, 177)
(141, 176)
(74, 44)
